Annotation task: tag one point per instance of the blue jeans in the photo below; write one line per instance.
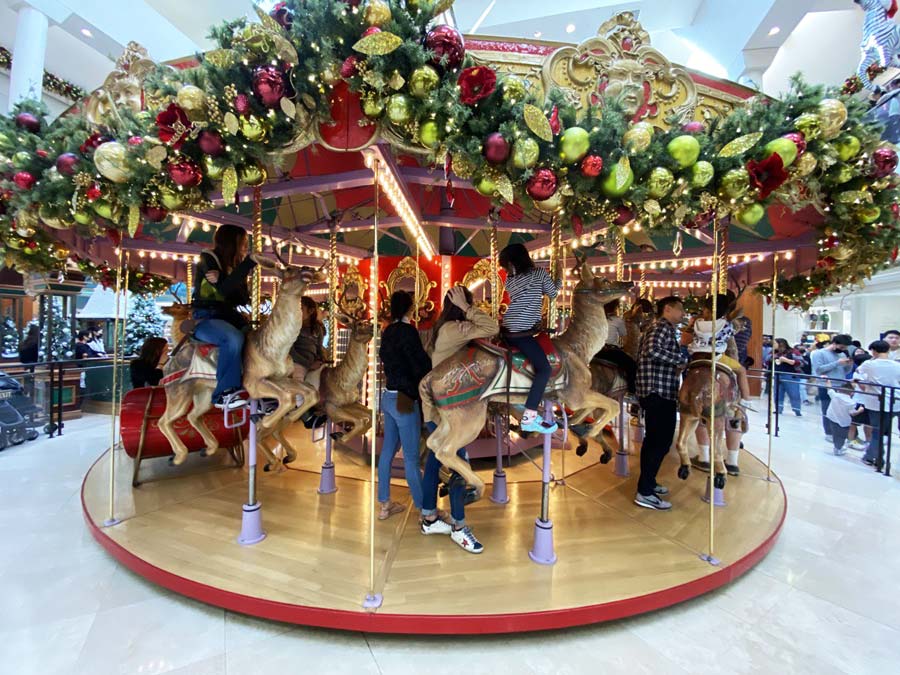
(533, 351)
(430, 486)
(824, 401)
(400, 430)
(230, 341)
(787, 384)
(881, 427)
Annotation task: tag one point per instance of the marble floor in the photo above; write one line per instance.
(824, 601)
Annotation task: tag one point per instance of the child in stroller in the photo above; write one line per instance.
(17, 413)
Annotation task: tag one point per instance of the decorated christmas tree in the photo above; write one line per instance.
(57, 326)
(144, 320)
(10, 337)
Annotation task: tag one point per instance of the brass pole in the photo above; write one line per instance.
(554, 271)
(117, 401)
(495, 271)
(111, 520)
(332, 293)
(256, 280)
(723, 260)
(772, 366)
(620, 256)
(373, 376)
(189, 286)
(714, 288)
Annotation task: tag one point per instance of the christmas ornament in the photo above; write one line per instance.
(542, 185)
(30, 248)
(27, 121)
(839, 174)
(21, 159)
(24, 180)
(67, 163)
(446, 45)
(701, 174)
(6, 144)
(486, 186)
(93, 193)
(833, 114)
(619, 180)
(423, 81)
(513, 89)
(283, 16)
(252, 128)
(268, 85)
(371, 30)
(214, 167)
(252, 175)
(24, 230)
(429, 134)
(740, 145)
(526, 153)
(684, 149)
(768, 175)
(60, 252)
(349, 67)
(638, 138)
(798, 139)
(14, 243)
(550, 205)
(134, 141)
(736, 182)
(94, 141)
(211, 143)
(372, 106)
(537, 122)
(806, 164)
(495, 148)
(242, 104)
(377, 12)
(884, 161)
(171, 199)
(574, 144)
(784, 148)
(82, 217)
(110, 160)
(154, 214)
(184, 173)
(51, 218)
(591, 166)
(399, 109)
(751, 215)
(810, 125)
(847, 147)
(463, 166)
(476, 83)
(192, 100)
(868, 214)
(694, 128)
(173, 126)
(660, 182)
(43, 154)
(103, 209)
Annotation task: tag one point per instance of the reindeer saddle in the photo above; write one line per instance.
(720, 368)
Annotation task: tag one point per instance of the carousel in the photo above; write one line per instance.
(397, 155)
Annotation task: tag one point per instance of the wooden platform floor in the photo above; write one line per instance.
(615, 559)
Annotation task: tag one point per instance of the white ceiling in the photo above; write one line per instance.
(723, 37)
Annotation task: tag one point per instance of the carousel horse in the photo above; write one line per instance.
(189, 375)
(462, 386)
(881, 38)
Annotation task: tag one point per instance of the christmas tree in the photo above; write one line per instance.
(144, 320)
(56, 324)
(10, 337)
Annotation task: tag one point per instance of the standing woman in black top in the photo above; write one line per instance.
(220, 288)
(145, 370)
(405, 363)
(29, 347)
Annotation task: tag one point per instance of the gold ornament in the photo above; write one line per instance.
(377, 12)
(252, 128)
(551, 205)
(24, 230)
(193, 100)
(372, 106)
(229, 184)
(172, 200)
(109, 159)
(638, 137)
(810, 125)
(833, 114)
(49, 218)
(462, 167)
(60, 252)
(252, 175)
(805, 164)
(214, 167)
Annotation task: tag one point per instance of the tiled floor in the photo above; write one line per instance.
(826, 600)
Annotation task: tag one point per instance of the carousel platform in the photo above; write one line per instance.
(179, 530)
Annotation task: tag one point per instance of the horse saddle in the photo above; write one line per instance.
(520, 364)
(720, 368)
(516, 371)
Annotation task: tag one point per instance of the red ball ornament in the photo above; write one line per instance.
(29, 122)
(242, 104)
(349, 67)
(591, 166)
(135, 140)
(371, 30)
(542, 185)
(43, 154)
(31, 244)
(495, 148)
(185, 173)
(577, 225)
(93, 193)
(447, 45)
(799, 139)
(24, 180)
(93, 142)
(694, 128)
(884, 161)
(623, 215)
(66, 163)
(154, 214)
(268, 85)
(211, 143)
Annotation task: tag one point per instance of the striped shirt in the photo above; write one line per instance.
(526, 296)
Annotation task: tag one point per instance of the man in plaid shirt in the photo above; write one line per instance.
(659, 362)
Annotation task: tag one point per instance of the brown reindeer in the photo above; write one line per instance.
(339, 391)
(462, 386)
(267, 371)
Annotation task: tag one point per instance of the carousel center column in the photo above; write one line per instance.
(26, 78)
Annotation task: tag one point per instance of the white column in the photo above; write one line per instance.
(27, 76)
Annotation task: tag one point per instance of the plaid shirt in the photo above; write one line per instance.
(658, 361)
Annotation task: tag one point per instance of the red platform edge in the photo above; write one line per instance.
(429, 624)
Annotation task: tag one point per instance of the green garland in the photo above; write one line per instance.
(52, 83)
(258, 96)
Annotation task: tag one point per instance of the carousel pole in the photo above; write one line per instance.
(711, 490)
(189, 283)
(498, 487)
(373, 600)
(327, 483)
(770, 427)
(119, 348)
(112, 520)
(252, 531)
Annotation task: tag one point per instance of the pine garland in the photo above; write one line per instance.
(52, 83)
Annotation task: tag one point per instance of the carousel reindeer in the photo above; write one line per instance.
(190, 374)
(339, 391)
(462, 387)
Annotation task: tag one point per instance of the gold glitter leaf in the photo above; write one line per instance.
(505, 188)
(537, 122)
(442, 6)
(308, 101)
(231, 123)
(652, 207)
(740, 145)
(396, 81)
(229, 184)
(267, 21)
(854, 196)
(220, 58)
(378, 44)
(134, 219)
(623, 175)
(288, 107)
(156, 155)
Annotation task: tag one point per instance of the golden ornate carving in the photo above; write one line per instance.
(350, 294)
(479, 278)
(408, 276)
(122, 88)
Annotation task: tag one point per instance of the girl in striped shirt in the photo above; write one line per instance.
(527, 285)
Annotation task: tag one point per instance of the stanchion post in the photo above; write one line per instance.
(542, 549)
(498, 489)
(111, 519)
(772, 383)
(327, 483)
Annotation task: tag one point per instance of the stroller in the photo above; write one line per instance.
(17, 413)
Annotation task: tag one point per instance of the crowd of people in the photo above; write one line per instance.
(857, 389)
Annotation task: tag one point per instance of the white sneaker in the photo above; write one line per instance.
(467, 540)
(435, 527)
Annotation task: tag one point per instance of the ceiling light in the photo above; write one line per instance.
(537, 33)
(87, 33)
(570, 28)
(775, 30)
